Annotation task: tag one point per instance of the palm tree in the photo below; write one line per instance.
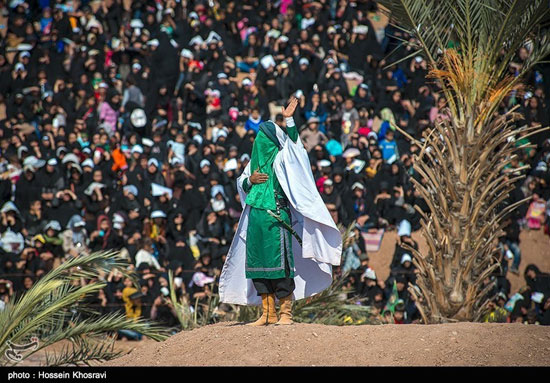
(469, 45)
(52, 311)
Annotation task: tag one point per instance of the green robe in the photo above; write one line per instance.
(267, 241)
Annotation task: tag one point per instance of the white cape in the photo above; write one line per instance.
(321, 240)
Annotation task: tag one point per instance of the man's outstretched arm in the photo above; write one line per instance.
(288, 112)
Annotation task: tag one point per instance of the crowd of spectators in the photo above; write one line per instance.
(124, 125)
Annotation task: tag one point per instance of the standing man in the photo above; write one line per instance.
(265, 260)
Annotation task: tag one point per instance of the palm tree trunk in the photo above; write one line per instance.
(464, 222)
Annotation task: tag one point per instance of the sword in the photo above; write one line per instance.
(286, 226)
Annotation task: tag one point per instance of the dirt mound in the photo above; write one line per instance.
(458, 344)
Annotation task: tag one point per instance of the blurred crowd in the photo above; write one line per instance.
(124, 125)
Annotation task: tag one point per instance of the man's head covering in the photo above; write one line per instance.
(60, 150)
(71, 157)
(131, 189)
(313, 120)
(176, 160)
(54, 225)
(88, 162)
(76, 221)
(351, 152)
(147, 142)
(325, 163)
(195, 125)
(153, 42)
(138, 118)
(370, 274)
(136, 23)
(158, 214)
(186, 53)
(9, 206)
(158, 190)
(118, 218)
(404, 228)
(19, 66)
(22, 149)
(231, 164)
(283, 39)
(34, 162)
(137, 149)
(200, 279)
(406, 258)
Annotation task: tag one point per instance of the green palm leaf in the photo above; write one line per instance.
(53, 310)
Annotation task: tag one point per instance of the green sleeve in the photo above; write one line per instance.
(246, 185)
(291, 129)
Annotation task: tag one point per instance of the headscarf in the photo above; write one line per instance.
(100, 219)
(78, 236)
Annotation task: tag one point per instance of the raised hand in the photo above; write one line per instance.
(290, 108)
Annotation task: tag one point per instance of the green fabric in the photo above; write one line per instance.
(393, 300)
(246, 185)
(266, 240)
(55, 240)
(524, 141)
(268, 128)
(261, 196)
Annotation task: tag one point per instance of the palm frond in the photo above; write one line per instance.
(53, 307)
(246, 313)
(348, 236)
(83, 351)
(332, 307)
(181, 307)
(201, 315)
(486, 34)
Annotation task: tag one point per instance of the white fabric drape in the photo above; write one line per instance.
(321, 239)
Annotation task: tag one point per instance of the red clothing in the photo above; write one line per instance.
(320, 184)
(364, 131)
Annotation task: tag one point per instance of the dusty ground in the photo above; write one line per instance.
(461, 344)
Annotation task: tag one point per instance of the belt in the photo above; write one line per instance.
(281, 201)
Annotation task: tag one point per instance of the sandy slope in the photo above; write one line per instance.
(233, 344)
(301, 344)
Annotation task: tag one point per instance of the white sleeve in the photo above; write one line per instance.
(290, 121)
